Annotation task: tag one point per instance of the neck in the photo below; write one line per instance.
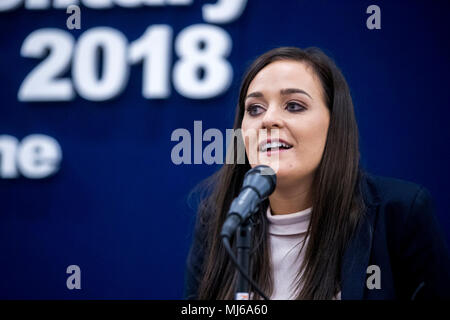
(289, 199)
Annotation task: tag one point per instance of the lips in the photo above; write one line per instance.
(274, 145)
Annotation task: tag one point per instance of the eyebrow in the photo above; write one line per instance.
(283, 92)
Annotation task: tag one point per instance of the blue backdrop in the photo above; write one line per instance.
(86, 174)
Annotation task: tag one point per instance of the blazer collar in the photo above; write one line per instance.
(357, 255)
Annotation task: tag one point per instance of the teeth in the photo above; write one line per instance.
(273, 145)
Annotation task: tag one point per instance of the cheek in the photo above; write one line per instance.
(244, 132)
(249, 134)
(318, 138)
(311, 138)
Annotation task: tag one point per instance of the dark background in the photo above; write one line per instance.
(118, 206)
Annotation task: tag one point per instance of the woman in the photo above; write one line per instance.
(329, 230)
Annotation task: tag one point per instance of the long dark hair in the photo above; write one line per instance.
(337, 201)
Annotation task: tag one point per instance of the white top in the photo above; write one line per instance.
(287, 233)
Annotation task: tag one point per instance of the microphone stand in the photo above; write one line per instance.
(243, 245)
(259, 182)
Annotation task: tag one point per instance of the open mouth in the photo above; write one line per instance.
(273, 146)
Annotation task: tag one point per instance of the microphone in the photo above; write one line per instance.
(259, 183)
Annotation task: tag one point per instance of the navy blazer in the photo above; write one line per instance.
(399, 234)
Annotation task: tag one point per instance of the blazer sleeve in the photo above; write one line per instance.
(425, 267)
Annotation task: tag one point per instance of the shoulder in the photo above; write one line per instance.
(404, 217)
(402, 206)
(395, 193)
(408, 235)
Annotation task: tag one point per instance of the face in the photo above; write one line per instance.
(286, 99)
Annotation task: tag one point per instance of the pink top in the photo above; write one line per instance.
(287, 233)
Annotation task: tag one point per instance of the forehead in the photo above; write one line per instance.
(285, 74)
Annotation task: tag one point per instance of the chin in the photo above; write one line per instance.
(283, 175)
(282, 172)
(289, 174)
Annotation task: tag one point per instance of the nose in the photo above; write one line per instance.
(272, 118)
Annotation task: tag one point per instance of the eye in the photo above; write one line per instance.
(294, 107)
(254, 109)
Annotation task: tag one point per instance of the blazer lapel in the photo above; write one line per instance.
(357, 255)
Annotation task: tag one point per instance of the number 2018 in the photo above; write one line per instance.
(201, 72)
